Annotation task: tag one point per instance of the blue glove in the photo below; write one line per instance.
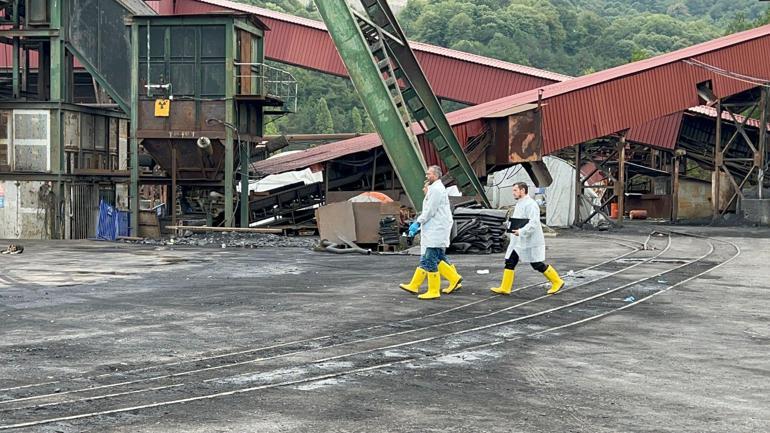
(413, 229)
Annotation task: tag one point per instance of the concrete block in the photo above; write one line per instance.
(756, 210)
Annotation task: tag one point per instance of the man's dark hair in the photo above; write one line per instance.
(523, 186)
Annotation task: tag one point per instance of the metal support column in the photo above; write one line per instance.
(15, 54)
(620, 186)
(229, 118)
(172, 195)
(675, 162)
(717, 164)
(244, 206)
(578, 183)
(133, 192)
(762, 145)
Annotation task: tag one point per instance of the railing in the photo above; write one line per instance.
(268, 81)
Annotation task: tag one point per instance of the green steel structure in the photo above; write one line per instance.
(378, 58)
(385, 107)
(210, 71)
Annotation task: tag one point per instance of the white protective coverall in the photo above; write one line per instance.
(530, 244)
(436, 218)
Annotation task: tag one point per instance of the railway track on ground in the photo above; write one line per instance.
(359, 351)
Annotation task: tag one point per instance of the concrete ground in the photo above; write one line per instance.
(100, 337)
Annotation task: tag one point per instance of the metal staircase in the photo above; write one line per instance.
(390, 64)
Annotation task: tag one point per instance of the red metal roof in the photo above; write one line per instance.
(712, 112)
(306, 43)
(661, 133)
(646, 97)
(619, 98)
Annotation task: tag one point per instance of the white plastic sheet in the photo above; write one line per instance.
(559, 197)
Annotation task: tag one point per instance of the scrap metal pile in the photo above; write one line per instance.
(479, 231)
(389, 230)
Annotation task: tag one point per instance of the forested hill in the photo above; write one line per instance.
(572, 37)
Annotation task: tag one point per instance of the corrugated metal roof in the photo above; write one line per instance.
(646, 97)
(315, 155)
(616, 99)
(306, 43)
(661, 133)
(704, 110)
(417, 46)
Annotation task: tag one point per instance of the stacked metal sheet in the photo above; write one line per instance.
(389, 231)
(479, 231)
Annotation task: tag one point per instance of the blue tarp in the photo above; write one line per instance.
(111, 223)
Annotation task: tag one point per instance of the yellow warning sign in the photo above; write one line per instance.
(162, 107)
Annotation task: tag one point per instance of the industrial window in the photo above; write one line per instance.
(182, 60)
(31, 140)
(212, 57)
(157, 61)
(4, 134)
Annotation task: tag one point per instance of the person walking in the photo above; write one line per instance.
(435, 222)
(527, 244)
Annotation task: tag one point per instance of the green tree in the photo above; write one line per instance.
(323, 120)
(271, 129)
(358, 122)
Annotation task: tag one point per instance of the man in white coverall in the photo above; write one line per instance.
(527, 244)
(435, 222)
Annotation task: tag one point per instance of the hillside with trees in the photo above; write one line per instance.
(573, 37)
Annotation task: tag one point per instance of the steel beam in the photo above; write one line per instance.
(620, 185)
(717, 164)
(762, 145)
(172, 195)
(578, 183)
(399, 142)
(245, 157)
(229, 118)
(16, 79)
(675, 163)
(30, 33)
(445, 143)
(133, 194)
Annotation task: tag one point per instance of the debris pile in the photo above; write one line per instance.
(479, 231)
(234, 240)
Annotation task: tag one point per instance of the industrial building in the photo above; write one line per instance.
(160, 120)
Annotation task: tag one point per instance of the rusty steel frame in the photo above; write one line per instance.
(612, 160)
(592, 155)
(758, 150)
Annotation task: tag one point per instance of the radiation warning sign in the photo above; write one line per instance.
(162, 107)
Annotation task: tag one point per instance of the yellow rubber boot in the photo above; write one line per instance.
(449, 273)
(417, 280)
(434, 286)
(506, 285)
(556, 282)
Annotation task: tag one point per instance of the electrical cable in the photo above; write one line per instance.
(730, 74)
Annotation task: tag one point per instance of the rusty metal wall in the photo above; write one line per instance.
(463, 132)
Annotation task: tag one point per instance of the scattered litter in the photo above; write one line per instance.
(234, 240)
(571, 273)
(13, 249)
(662, 281)
(224, 246)
(482, 271)
(630, 299)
